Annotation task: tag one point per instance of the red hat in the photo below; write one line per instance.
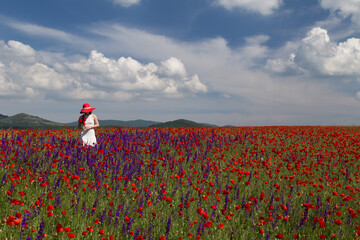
(86, 108)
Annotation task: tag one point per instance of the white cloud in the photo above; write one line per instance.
(344, 8)
(254, 49)
(264, 7)
(130, 75)
(15, 50)
(317, 54)
(28, 74)
(126, 3)
(33, 29)
(195, 85)
(207, 56)
(173, 67)
(281, 65)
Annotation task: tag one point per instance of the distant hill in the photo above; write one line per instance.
(117, 123)
(209, 125)
(23, 120)
(179, 123)
(26, 121)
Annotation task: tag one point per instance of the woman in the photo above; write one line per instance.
(87, 122)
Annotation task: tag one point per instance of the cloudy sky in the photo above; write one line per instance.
(225, 62)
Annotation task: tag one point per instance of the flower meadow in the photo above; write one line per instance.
(293, 182)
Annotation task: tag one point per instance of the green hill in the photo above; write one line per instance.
(23, 120)
(179, 123)
(118, 123)
(26, 121)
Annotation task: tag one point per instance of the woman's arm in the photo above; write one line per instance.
(96, 122)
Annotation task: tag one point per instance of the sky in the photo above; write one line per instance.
(223, 62)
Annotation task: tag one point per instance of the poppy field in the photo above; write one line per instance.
(292, 182)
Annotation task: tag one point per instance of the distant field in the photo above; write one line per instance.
(181, 183)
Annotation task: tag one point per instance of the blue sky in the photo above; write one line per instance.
(225, 62)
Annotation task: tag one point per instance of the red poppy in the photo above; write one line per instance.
(18, 215)
(59, 228)
(17, 221)
(82, 119)
(71, 235)
(208, 224)
(50, 208)
(338, 222)
(90, 229)
(279, 235)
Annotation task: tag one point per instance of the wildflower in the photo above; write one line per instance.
(17, 221)
(338, 222)
(90, 229)
(279, 235)
(50, 208)
(18, 215)
(71, 235)
(208, 224)
(59, 228)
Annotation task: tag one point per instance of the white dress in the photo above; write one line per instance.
(88, 136)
